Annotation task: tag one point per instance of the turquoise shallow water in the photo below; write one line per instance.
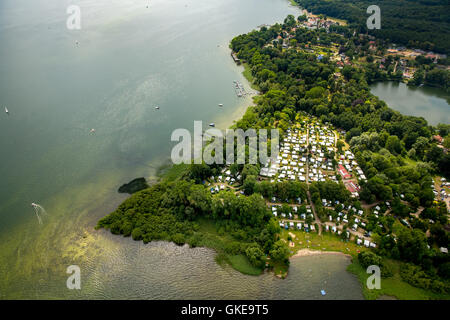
(59, 84)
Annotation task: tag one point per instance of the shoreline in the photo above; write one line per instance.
(308, 252)
(227, 121)
(342, 22)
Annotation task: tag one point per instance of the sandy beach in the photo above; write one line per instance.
(309, 252)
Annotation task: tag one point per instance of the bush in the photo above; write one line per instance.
(444, 270)
(368, 258)
(136, 234)
(280, 251)
(233, 248)
(416, 277)
(255, 255)
(179, 239)
(194, 241)
(386, 270)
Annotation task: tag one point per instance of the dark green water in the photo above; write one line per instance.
(433, 104)
(129, 58)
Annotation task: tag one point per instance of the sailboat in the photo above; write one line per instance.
(6, 110)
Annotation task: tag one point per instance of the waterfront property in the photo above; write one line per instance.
(235, 58)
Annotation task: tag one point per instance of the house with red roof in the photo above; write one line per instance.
(343, 172)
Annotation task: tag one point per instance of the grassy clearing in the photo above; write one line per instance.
(241, 264)
(409, 162)
(212, 239)
(393, 286)
(172, 173)
(247, 73)
(324, 242)
(341, 21)
(314, 241)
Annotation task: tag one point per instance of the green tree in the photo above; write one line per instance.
(280, 251)
(249, 184)
(255, 255)
(394, 145)
(412, 245)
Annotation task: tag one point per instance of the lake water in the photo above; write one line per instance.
(58, 84)
(431, 103)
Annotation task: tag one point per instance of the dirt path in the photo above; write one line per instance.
(313, 208)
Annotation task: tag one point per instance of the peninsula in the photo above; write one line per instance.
(352, 175)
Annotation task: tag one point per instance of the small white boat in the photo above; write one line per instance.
(92, 131)
(212, 124)
(220, 104)
(6, 110)
(157, 108)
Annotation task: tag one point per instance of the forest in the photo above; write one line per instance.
(173, 210)
(423, 24)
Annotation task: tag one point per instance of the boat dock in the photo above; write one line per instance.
(239, 89)
(235, 58)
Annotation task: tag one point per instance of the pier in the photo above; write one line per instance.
(235, 58)
(239, 89)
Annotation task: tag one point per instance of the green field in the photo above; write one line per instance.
(393, 286)
(212, 239)
(324, 242)
(241, 264)
(247, 73)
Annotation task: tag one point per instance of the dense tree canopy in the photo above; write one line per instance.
(419, 24)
